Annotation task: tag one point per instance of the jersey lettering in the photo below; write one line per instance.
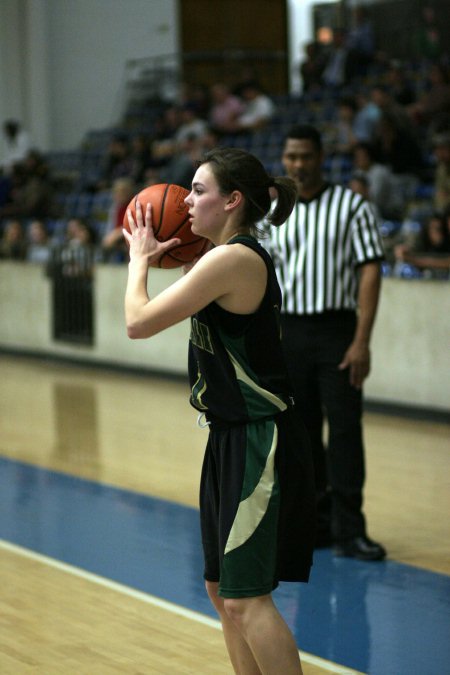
(200, 336)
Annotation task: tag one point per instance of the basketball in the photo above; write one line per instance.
(170, 218)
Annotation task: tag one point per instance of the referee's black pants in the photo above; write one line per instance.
(314, 346)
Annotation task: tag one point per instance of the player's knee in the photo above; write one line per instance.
(236, 610)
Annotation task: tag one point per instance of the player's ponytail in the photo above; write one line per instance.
(286, 198)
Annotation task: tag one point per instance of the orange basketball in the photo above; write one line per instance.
(170, 219)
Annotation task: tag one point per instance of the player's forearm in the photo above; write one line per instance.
(136, 297)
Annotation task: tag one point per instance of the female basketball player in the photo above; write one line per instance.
(257, 495)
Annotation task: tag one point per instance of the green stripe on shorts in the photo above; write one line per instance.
(249, 562)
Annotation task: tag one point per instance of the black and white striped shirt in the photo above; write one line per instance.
(316, 252)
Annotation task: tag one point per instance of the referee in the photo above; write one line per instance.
(327, 257)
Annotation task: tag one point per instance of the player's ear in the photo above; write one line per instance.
(235, 198)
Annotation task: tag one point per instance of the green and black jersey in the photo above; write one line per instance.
(236, 365)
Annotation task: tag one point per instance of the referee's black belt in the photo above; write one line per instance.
(329, 316)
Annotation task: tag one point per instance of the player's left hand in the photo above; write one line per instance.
(142, 241)
(357, 360)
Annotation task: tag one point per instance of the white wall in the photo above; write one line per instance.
(411, 358)
(62, 62)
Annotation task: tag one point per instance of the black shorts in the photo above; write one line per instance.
(239, 508)
(257, 505)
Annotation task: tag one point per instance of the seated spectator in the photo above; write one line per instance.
(402, 91)
(382, 98)
(165, 129)
(366, 118)
(344, 139)
(32, 192)
(39, 244)
(441, 148)
(428, 39)
(192, 125)
(113, 244)
(258, 109)
(435, 101)
(117, 162)
(13, 244)
(196, 95)
(399, 149)
(431, 251)
(17, 142)
(225, 108)
(359, 184)
(184, 163)
(390, 202)
(77, 254)
(140, 157)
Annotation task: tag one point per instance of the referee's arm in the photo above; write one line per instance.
(357, 356)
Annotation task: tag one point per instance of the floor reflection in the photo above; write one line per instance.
(76, 424)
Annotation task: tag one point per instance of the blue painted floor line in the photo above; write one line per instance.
(379, 618)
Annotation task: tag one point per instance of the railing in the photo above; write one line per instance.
(159, 78)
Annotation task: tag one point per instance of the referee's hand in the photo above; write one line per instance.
(357, 360)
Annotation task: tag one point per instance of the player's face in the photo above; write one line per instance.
(206, 204)
(303, 163)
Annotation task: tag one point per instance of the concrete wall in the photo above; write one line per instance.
(62, 62)
(411, 355)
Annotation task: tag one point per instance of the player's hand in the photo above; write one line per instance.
(141, 238)
(357, 360)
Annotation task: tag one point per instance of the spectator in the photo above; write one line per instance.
(192, 125)
(258, 108)
(32, 192)
(366, 118)
(166, 127)
(336, 73)
(359, 184)
(382, 190)
(344, 135)
(428, 38)
(17, 142)
(77, 253)
(360, 43)
(397, 82)
(183, 165)
(113, 244)
(39, 246)
(13, 244)
(117, 162)
(431, 252)
(225, 109)
(141, 158)
(311, 68)
(441, 147)
(435, 101)
(329, 308)
(397, 147)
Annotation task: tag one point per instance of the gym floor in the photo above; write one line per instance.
(99, 540)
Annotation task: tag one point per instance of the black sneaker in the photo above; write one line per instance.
(361, 548)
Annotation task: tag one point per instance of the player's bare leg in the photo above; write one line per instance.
(257, 627)
(240, 654)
